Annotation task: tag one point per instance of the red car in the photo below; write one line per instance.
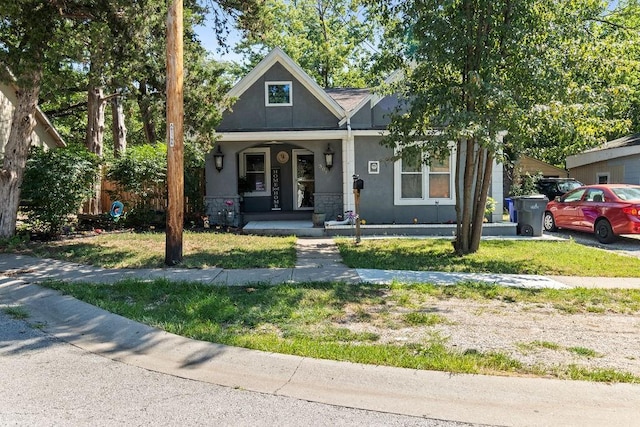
(607, 210)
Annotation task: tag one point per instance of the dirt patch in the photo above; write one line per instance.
(534, 334)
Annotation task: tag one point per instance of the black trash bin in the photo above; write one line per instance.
(530, 210)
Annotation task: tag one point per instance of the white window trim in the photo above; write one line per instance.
(267, 170)
(266, 93)
(424, 200)
(601, 174)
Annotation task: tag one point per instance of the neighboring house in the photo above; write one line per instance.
(297, 146)
(526, 164)
(44, 134)
(614, 162)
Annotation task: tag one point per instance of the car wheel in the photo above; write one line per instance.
(548, 222)
(604, 232)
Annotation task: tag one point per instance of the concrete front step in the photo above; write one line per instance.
(306, 229)
(283, 228)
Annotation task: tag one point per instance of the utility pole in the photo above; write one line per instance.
(175, 141)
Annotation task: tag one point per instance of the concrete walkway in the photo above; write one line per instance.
(436, 395)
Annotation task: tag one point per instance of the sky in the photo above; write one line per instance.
(208, 38)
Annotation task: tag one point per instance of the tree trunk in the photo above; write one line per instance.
(482, 186)
(470, 206)
(119, 127)
(95, 136)
(16, 153)
(148, 123)
(465, 212)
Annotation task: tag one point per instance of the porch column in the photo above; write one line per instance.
(348, 169)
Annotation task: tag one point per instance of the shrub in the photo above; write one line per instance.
(56, 182)
(142, 172)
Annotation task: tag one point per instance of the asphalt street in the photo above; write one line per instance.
(47, 382)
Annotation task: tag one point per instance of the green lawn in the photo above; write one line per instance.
(339, 321)
(147, 250)
(233, 251)
(565, 258)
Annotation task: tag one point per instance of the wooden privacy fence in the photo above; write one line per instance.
(130, 200)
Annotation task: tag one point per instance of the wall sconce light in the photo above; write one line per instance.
(328, 157)
(218, 159)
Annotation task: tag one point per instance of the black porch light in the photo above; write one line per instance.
(218, 159)
(328, 157)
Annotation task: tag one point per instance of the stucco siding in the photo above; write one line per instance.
(362, 118)
(250, 112)
(377, 199)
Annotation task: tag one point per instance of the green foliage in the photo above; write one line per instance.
(146, 250)
(330, 40)
(18, 313)
(56, 182)
(473, 69)
(508, 257)
(142, 173)
(525, 184)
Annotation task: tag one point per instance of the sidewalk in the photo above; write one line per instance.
(318, 260)
(435, 395)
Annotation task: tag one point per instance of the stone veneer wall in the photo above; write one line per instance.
(330, 204)
(220, 213)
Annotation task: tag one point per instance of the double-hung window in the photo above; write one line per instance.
(254, 165)
(417, 183)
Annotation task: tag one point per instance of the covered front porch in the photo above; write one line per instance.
(275, 176)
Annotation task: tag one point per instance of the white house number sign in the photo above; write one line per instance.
(275, 189)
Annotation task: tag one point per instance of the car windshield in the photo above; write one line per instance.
(567, 186)
(627, 193)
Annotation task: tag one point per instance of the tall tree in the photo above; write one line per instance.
(33, 33)
(601, 96)
(26, 31)
(332, 40)
(475, 69)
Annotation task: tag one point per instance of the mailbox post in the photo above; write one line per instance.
(358, 184)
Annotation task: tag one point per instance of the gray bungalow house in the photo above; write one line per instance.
(289, 148)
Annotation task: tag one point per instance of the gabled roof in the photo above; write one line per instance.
(277, 55)
(621, 147)
(372, 99)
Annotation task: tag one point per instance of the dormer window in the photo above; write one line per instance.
(278, 94)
